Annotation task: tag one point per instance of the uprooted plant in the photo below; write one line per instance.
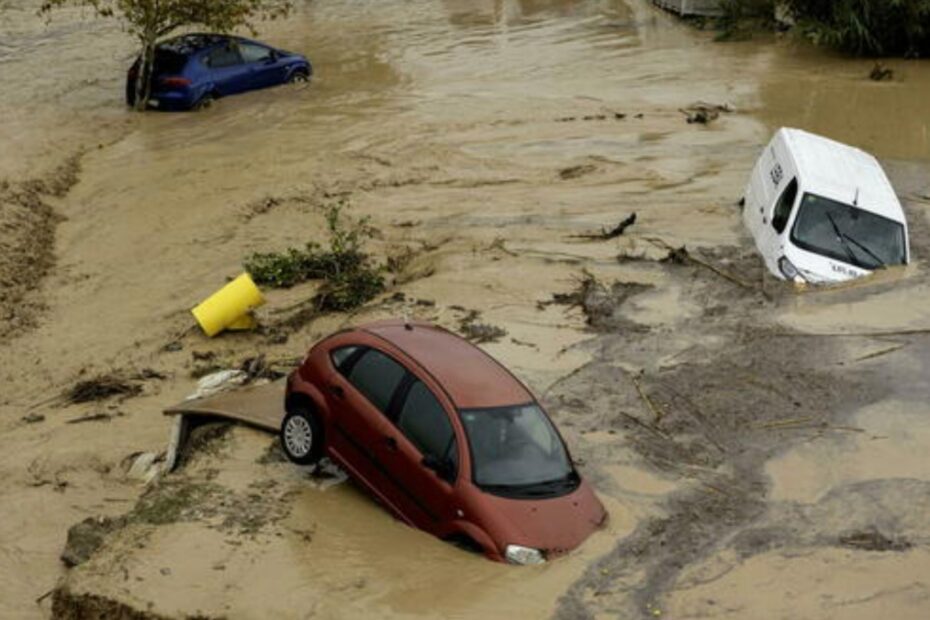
(350, 277)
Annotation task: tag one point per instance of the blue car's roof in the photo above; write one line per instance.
(188, 44)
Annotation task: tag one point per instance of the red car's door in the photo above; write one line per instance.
(359, 395)
(423, 456)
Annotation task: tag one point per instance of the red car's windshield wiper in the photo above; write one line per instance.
(543, 487)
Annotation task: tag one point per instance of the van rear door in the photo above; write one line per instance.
(780, 181)
(760, 194)
(772, 239)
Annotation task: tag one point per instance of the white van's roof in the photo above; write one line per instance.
(835, 170)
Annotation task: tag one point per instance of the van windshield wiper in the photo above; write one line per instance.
(842, 238)
(859, 244)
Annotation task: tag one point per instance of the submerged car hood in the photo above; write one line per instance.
(554, 525)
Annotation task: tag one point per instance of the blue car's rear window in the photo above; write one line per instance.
(168, 62)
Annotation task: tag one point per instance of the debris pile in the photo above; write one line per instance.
(599, 302)
(703, 113)
(477, 332)
(880, 73)
(871, 539)
(86, 537)
(102, 387)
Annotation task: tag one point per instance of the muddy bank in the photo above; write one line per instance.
(27, 243)
(234, 533)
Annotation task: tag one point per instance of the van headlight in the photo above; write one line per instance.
(517, 554)
(790, 272)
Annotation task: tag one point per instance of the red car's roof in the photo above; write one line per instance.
(471, 377)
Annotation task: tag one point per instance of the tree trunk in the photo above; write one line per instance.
(144, 76)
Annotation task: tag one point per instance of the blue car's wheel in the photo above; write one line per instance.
(298, 77)
(205, 102)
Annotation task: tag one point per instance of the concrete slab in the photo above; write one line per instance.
(261, 406)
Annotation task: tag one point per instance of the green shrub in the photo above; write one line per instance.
(741, 17)
(349, 290)
(866, 27)
(349, 277)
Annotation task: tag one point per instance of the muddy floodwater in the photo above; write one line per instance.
(761, 450)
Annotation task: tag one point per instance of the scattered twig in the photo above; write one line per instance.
(716, 490)
(788, 423)
(879, 353)
(681, 255)
(95, 417)
(44, 596)
(724, 274)
(613, 233)
(694, 411)
(658, 413)
(903, 332)
(851, 429)
(652, 429)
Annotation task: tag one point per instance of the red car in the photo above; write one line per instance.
(444, 436)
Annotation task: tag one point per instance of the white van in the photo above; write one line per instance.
(821, 211)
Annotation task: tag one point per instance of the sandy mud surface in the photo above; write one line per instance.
(761, 450)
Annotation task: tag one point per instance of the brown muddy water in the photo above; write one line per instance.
(782, 437)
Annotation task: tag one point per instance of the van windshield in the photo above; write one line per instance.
(516, 452)
(845, 233)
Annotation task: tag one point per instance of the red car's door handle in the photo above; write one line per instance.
(391, 443)
(337, 391)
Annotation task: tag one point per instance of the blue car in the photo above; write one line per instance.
(192, 70)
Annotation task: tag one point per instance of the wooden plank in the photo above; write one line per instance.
(261, 406)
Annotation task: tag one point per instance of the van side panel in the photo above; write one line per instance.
(776, 177)
(753, 196)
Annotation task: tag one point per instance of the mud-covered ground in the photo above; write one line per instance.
(761, 450)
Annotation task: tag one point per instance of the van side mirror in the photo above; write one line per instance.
(442, 467)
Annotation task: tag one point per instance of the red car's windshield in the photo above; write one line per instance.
(515, 450)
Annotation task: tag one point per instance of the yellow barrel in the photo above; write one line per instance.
(228, 307)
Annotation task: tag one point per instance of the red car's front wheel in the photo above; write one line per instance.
(302, 437)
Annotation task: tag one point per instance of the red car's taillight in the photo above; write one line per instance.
(175, 81)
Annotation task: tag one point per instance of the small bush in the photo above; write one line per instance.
(313, 262)
(349, 277)
(742, 17)
(866, 27)
(349, 289)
